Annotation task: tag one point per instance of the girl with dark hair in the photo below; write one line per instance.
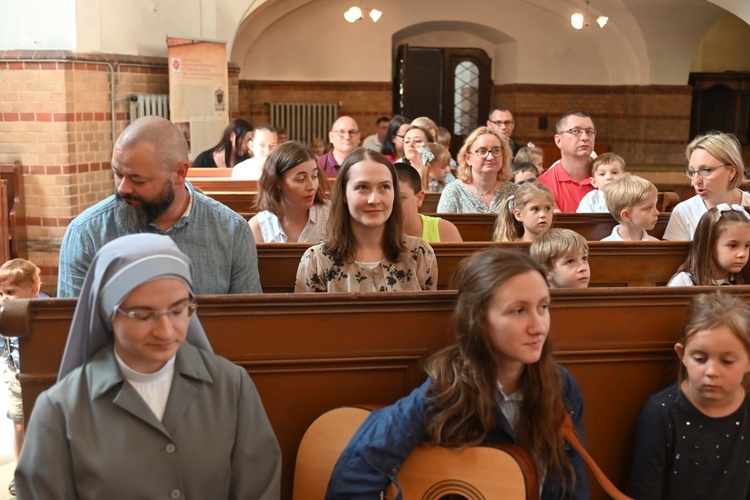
(497, 384)
(366, 249)
(292, 197)
(720, 250)
(393, 144)
(231, 149)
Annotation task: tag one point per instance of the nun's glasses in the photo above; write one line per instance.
(182, 310)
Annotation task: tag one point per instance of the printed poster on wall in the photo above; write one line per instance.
(198, 90)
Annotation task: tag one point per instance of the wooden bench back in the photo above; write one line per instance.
(14, 210)
(314, 352)
(612, 263)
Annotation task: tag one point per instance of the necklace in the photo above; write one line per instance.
(483, 193)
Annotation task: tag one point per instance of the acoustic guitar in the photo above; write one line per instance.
(430, 473)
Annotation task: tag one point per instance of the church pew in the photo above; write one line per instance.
(211, 173)
(242, 201)
(310, 353)
(473, 227)
(666, 201)
(14, 214)
(612, 263)
(593, 227)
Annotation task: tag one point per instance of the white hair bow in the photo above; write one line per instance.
(725, 207)
(427, 155)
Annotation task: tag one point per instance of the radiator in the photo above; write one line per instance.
(304, 121)
(149, 104)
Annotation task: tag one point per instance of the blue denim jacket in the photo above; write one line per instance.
(374, 456)
(217, 240)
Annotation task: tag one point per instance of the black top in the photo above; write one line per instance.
(205, 159)
(680, 453)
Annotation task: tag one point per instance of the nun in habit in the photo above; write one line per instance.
(142, 407)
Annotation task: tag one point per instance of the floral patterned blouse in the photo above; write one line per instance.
(457, 198)
(415, 271)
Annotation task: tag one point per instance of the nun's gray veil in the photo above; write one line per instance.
(118, 268)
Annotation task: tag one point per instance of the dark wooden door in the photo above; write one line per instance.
(452, 86)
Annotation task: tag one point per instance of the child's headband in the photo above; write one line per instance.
(427, 155)
(725, 207)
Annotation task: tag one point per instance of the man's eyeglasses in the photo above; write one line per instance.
(342, 133)
(415, 140)
(578, 132)
(704, 172)
(483, 153)
(182, 310)
(499, 123)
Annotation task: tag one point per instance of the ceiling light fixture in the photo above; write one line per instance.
(355, 14)
(580, 21)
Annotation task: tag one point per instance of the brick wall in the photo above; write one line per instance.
(56, 120)
(363, 101)
(646, 125)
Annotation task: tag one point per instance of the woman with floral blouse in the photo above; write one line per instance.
(366, 249)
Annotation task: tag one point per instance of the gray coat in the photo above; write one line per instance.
(92, 436)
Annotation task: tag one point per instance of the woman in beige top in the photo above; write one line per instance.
(366, 249)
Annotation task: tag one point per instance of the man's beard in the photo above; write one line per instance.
(136, 218)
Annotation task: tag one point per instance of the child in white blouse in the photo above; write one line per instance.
(719, 251)
(605, 169)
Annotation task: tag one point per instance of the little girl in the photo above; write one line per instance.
(498, 383)
(436, 169)
(719, 251)
(692, 439)
(525, 215)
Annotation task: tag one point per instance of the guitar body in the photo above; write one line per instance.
(321, 447)
(502, 471)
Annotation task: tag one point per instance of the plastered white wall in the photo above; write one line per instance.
(38, 24)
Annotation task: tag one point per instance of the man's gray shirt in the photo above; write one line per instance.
(217, 240)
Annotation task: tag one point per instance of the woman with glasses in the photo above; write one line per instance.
(231, 149)
(142, 407)
(483, 175)
(393, 144)
(414, 138)
(716, 171)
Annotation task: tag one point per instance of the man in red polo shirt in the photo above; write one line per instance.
(570, 179)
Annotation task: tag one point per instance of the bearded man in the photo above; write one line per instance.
(150, 165)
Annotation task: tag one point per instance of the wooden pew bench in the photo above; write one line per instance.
(243, 202)
(593, 227)
(612, 263)
(13, 212)
(310, 353)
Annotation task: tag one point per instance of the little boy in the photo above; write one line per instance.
(565, 256)
(19, 279)
(523, 173)
(604, 171)
(430, 229)
(632, 202)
